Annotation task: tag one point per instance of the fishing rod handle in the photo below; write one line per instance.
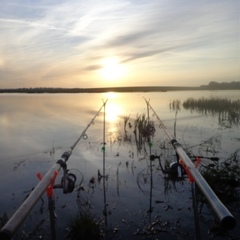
(22, 212)
(225, 217)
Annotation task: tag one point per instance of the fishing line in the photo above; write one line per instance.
(83, 134)
(118, 181)
(150, 153)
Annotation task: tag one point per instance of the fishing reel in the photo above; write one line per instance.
(173, 166)
(68, 180)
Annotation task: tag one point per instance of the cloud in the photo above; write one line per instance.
(92, 68)
(69, 37)
(143, 54)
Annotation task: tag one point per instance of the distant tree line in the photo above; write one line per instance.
(210, 86)
(98, 90)
(41, 90)
(222, 86)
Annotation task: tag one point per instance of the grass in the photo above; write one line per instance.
(228, 110)
(175, 105)
(143, 130)
(140, 127)
(83, 227)
(224, 178)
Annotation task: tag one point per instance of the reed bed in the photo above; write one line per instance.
(228, 110)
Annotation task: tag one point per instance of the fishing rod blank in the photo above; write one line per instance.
(19, 216)
(225, 217)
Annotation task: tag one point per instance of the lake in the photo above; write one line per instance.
(140, 204)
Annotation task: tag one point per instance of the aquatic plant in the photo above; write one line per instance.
(228, 111)
(143, 130)
(83, 227)
(175, 105)
(224, 177)
(127, 122)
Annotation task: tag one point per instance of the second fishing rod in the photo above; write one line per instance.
(12, 225)
(225, 218)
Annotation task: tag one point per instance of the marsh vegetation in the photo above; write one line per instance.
(224, 176)
(227, 111)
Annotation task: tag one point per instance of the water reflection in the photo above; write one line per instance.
(40, 126)
(113, 112)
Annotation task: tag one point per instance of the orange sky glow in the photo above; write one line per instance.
(118, 43)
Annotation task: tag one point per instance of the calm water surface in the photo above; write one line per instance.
(37, 129)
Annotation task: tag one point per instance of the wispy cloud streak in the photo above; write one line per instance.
(53, 37)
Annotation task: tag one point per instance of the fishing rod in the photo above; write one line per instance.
(67, 183)
(225, 218)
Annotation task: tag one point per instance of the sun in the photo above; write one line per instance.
(112, 69)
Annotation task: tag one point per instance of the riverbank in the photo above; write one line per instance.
(114, 89)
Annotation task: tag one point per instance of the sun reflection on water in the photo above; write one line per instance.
(113, 111)
(113, 108)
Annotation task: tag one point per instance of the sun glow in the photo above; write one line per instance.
(113, 112)
(112, 69)
(113, 109)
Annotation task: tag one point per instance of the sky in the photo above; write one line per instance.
(103, 43)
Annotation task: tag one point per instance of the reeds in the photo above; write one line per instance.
(143, 130)
(126, 123)
(83, 227)
(224, 177)
(175, 105)
(228, 110)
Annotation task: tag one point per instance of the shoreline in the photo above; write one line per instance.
(111, 89)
